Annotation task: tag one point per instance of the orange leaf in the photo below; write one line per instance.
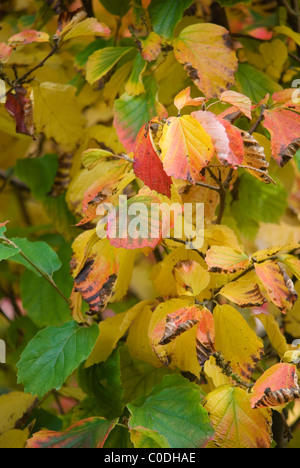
(147, 165)
(205, 338)
(178, 322)
(284, 126)
(207, 54)
(240, 101)
(276, 387)
(184, 99)
(279, 286)
(226, 260)
(186, 148)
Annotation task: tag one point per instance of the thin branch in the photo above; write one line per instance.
(88, 6)
(13, 181)
(259, 120)
(26, 75)
(228, 371)
(290, 10)
(294, 57)
(210, 187)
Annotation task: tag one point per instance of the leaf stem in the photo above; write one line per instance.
(41, 272)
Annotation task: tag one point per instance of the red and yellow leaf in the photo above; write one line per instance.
(5, 52)
(186, 148)
(278, 285)
(179, 322)
(238, 100)
(276, 387)
(29, 36)
(151, 47)
(88, 433)
(205, 338)
(184, 99)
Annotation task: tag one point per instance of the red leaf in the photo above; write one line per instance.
(284, 126)
(147, 165)
(276, 387)
(184, 99)
(19, 106)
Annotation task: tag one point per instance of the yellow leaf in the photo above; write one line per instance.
(265, 254)
(14, 439)
(87, 27)
(214, 374)
(275, 54)
(236, 341)
(126, 259)
(289, 33)
(13, 406)
(222, 236)
(277, 339)
(207, 54)
(138, 340)
(161, 275)
(180, 353)
(111, 330)
(191, 278)
(186, 148)
(237, 425)
(57, 114)
(244, 292)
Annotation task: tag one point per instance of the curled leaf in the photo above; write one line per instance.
(276, 387)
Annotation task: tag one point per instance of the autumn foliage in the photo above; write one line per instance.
(152, 340)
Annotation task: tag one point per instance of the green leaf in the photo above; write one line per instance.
(100, 62)
(257, 202)
(83, 56)
(39, 174)
(146, 438)
(135, 85)
(39, 253)
(138, 377)
(174, 410)
(254, 83)
(116, 7)
(89, 433)
(43, 305)
(103, 381)
(119, 437)
(132, 112)
(7, 251)
(166, 14)
(53, 355)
